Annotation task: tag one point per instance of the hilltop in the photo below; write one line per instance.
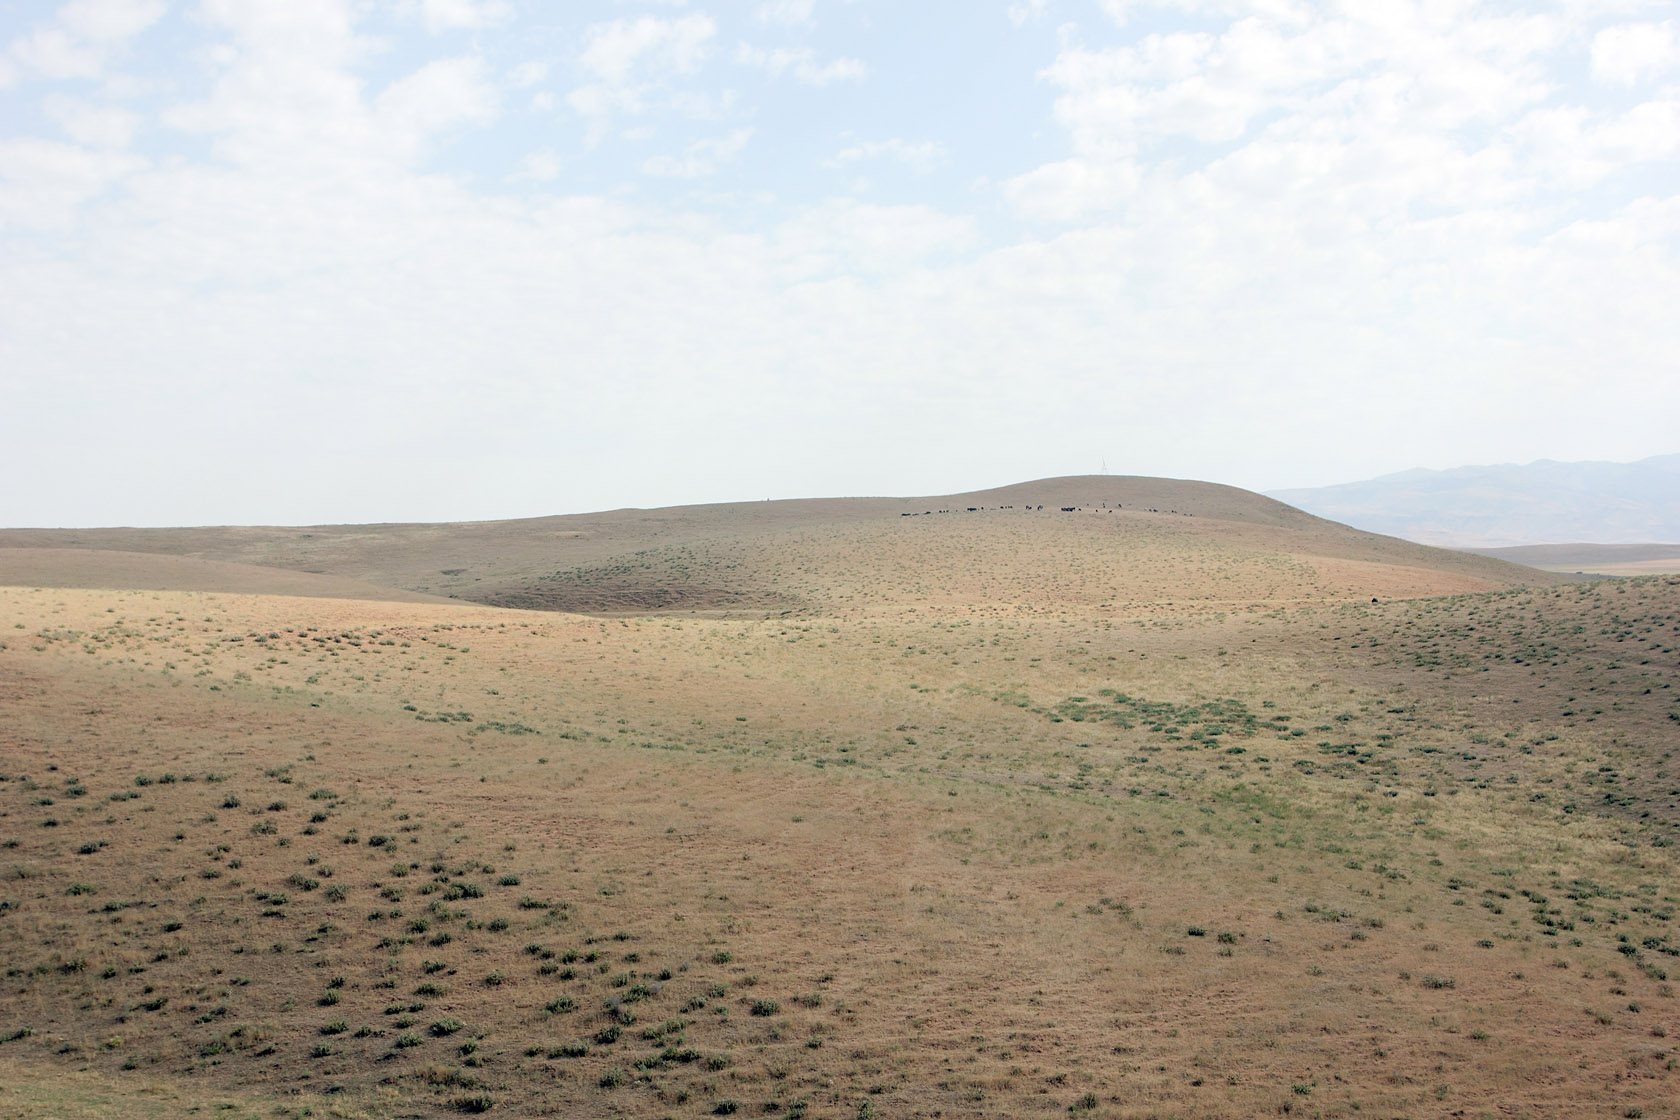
(1103, 543)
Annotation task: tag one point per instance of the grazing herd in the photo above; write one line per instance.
(1065, 509)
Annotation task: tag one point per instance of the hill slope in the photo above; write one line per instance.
(112, 569)
(1543, 502)
(1101, 543)
(1131, 803)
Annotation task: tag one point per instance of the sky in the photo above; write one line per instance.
(311, 261)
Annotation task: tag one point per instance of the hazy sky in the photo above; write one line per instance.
(354, 260)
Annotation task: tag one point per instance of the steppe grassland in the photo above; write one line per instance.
(1389, 859)
(29, 1089)
(1103, 563)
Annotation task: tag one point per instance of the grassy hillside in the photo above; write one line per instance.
(1109, 544)
(105, 568)
(1103, 814)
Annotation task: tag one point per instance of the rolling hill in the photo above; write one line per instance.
(1104, 543)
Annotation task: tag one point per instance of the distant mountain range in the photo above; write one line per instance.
(1544, 502)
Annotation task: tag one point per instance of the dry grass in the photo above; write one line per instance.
(1105, 545)
(1040, 844)
(42, 1089)
(115, 569)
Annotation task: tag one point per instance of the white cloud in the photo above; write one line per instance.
(613, 51)
(79, 40)
(1211, 87)
(1022, 13)
(284, 96)
(96, 126)
(454, 15)
(633, 65)
(920, 156)
(841, 236)
(1579, 148)
(788, 13)
(1289, 11)
(703, 157)
(43, 184)
(801, 63)
(440, 96)
(1630, 53)
(539, 167)
(528, 74)
(1071, 189)
(110, 21)
(53, 53)
(704, 105)
(1369, 111)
